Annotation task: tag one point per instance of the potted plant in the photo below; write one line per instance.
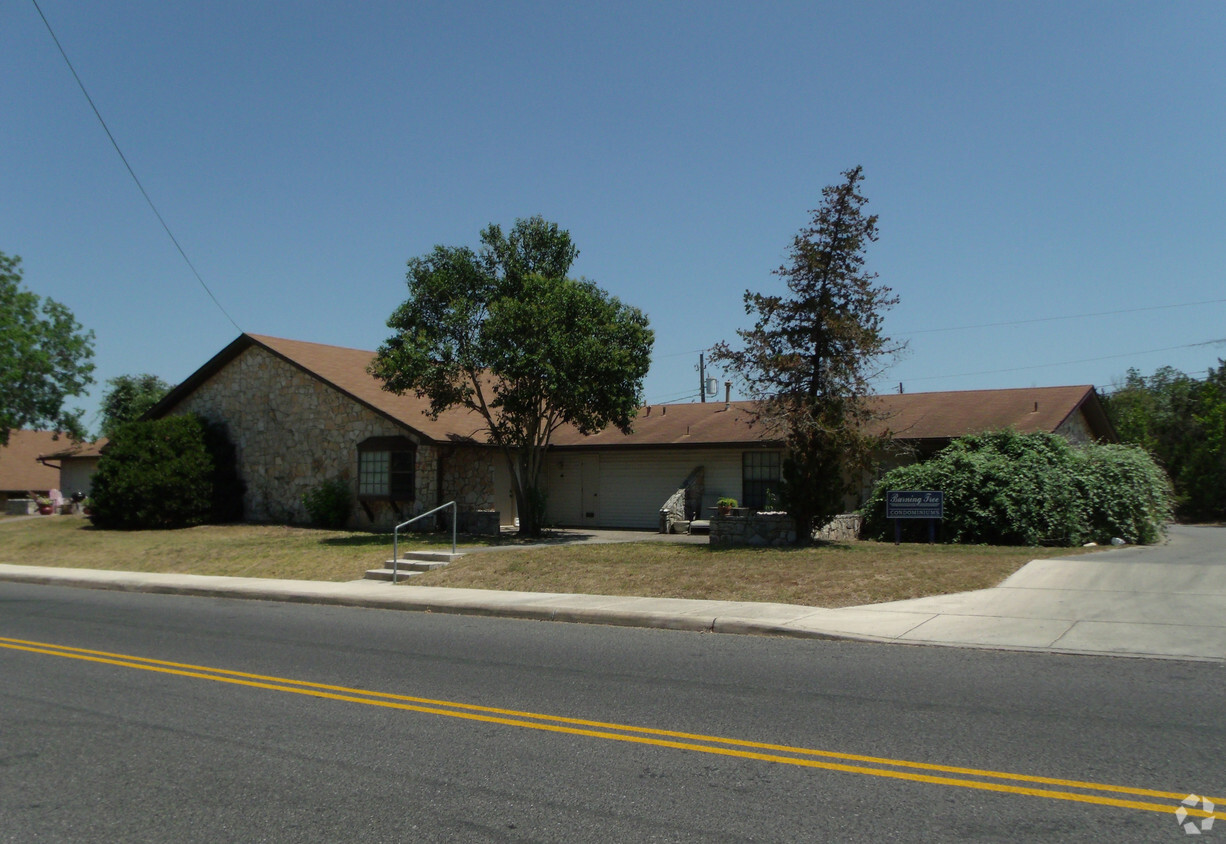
(725, 505)
(45, 507)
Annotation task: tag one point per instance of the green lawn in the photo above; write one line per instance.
(836, 575)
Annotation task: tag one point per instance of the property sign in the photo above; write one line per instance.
(914, 504)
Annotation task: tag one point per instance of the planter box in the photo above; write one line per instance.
(20, 507)
(756, 529)
(775, 529)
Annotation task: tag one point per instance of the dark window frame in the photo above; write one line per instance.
(396, 478)
(761, 472)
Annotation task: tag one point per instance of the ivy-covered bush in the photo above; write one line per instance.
(328, 504)
(166, 473)
(1007, 488)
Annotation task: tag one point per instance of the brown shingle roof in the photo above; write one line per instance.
(82, 449)
(1027, 410)
(913, 416)
(345, 370)
(20, 470)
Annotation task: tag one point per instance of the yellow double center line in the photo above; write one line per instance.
(1086, 792)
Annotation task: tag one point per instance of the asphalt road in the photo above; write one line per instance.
(448, 728)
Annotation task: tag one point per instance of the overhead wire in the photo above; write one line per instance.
(1065, 317)
(132, 172)
(1069, 362)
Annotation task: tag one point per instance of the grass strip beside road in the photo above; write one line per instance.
(836, 575)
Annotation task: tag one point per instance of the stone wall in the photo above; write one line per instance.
(1075, 429)
(759, 529)
(468, 477)
(292, 432)
(775, 529)
(843, 528)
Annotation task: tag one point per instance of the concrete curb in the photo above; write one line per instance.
(947, 621)
(371, 595)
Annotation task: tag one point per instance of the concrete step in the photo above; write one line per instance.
(417, 565)
(441, 557)
(413, 563)
(386, 574)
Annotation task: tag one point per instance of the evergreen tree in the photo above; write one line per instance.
(812, 353)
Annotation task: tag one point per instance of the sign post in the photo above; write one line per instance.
(915, 504)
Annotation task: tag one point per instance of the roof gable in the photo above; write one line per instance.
(345, 371)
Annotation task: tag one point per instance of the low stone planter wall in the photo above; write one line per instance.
(480, 522)
(775, 529)
(757, 529)
(20, 507)
(842, 528)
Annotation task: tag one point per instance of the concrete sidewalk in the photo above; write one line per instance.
(1165, 601)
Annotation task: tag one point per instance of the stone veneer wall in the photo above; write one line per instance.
(468, 477)
(1075, 429)
(292, 432)
(774, 529)
(753, 529)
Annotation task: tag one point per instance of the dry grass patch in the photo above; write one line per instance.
(231, 550)
(837, 575)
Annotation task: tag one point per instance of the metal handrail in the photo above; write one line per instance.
(396, 534)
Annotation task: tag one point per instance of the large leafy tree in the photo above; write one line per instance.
(1182, 422)
(128, 397)
(812, 353)
(44, 358)
(167, 473)
(503, 332)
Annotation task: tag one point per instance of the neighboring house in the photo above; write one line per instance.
(21, 473)
(76, 464)
(302, 413)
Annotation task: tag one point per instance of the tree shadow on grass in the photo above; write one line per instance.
(407, 540)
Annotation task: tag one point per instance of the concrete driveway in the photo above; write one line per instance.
(1163, 600)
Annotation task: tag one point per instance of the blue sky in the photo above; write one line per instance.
(1027, 161)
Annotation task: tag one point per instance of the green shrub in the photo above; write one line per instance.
(328, 504)
(1007, 488)
(166, 473)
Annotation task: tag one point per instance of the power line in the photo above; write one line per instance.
(1067, 362)
(131, 172)
(1056, 318)
(673, 399)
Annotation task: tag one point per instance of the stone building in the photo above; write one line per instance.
(303, 413)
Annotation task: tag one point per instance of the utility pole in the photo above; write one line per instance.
(702, 380)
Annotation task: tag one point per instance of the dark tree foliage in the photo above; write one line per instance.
(128, 397)
(44, 358)
(1182, 422)
(504, 333)
(810, 357)
(167, 473)
(1006, 488)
